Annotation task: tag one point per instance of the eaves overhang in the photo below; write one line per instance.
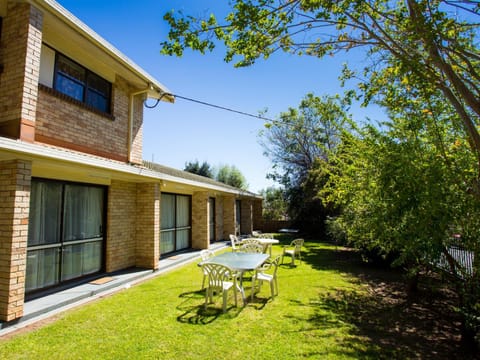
(17, 149)
(153, 88)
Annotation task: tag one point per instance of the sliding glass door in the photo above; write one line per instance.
(175, 222)
(65, 235)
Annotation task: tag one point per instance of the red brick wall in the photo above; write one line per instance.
(15, 179)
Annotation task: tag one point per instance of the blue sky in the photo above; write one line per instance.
(186, 131)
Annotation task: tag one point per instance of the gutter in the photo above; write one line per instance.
(131, 114)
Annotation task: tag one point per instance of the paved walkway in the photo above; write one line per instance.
(46, 306)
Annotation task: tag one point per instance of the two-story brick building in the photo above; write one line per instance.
(76, 198)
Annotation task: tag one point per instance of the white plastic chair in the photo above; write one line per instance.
(234, 242)
(252, 247)
(261, 276)
(220, 279)
(293, 250)
(205, 254)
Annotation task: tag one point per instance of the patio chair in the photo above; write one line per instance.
(262, 276)
(234, 242)
(220, 279)
(293, 250)
(249, 241)
(205, 254)
(252, 247)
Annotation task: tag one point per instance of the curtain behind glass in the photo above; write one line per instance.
(183, 211)
(167, 243)
(83, 212)
(45, 213)
(167, 211)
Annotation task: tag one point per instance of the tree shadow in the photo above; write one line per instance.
(384, 322)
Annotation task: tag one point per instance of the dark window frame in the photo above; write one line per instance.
(176, 227)
(86, 82)
(63, 242)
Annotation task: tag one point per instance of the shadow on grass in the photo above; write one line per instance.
(383, 322)
(194, 311)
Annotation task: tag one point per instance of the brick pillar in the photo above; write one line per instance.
(121, 222)
(200, 239)
(22, 41)
(228, 216)
(257, 214)
(15, 182)
(246, 221)
(148, 226)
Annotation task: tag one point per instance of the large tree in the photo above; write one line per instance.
(299, 139)
(302, 135)
(425, 42)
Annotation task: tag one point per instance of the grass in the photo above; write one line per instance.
(329, 307)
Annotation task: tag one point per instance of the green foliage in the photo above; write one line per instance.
(298, 143)
(302, 135)
(274, 204)
(230, 175)
(204, 169)
(405, 188)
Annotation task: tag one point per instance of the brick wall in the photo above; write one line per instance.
(200, 239)
(257, 214)
(136, 153)
(246, 222)
(64, 123)
(20, 57)
(121, 226)
(148, 226)
(15, 179)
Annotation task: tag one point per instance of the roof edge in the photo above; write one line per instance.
(157, 89)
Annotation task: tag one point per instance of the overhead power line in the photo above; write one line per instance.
(211, 105)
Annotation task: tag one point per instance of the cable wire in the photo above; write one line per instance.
(211, 105)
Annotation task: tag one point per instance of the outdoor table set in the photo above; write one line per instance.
(225, 271)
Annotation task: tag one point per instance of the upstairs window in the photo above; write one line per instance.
(81, 84)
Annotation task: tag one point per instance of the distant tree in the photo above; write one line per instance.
(230, 175)
(301, 135)
(297, 142)
(274, 203)
(204, 169)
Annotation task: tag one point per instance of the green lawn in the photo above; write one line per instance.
(322, 310)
